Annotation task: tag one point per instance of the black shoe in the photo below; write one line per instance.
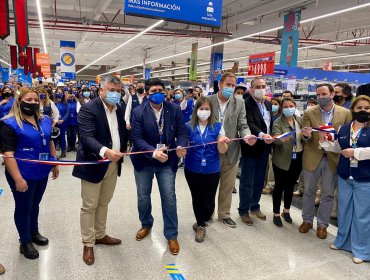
(69, 149)
(195, 226)
(74, 149)
(287, 217)
(29, 251)
(63, 154)
(277, 221)
(40, 240)
(229, 222)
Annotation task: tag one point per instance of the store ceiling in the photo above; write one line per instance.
(100, 25)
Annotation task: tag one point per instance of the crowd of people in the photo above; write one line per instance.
(210, 135)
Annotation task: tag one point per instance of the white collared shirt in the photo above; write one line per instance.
(129, 107)
(222, 108)
(157, 113)
(266, 116)
(113, 128)
(327, 116)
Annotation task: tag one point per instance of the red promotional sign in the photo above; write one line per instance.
(261, 64)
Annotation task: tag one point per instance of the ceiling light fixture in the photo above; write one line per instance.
(123, 44)
(39, 12)
(333, 57)
(334, 43)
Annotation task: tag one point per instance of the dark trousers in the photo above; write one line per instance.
(61, 140)
(27, 203)
(252, 180)
(71, 135)
(203, 188)
(284, 182)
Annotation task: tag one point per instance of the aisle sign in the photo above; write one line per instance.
(261, 64)
(42, 59)
(147, 73)
(67, 60)
(202, 12)
(290, 40)
(216, 65)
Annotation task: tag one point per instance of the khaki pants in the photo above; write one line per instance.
(94, 210)
(227, 182)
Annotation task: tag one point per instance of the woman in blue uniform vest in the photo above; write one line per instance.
(353, 182)
(202, 164)
(25, 133)
(61, 103)
(72, 121)
(7, 101)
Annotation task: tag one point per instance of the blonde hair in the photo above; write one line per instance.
(16, 108)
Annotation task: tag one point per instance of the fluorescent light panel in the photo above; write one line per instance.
(39, 12)
(123, 44)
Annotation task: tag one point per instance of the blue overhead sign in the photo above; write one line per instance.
(202, 12)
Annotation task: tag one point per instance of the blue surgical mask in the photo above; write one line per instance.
(75, 92)
(227, 92)
(113, 97)
(59, 95)
(42, 96)
(178, 96)
(275, 108)
(157, 98)
(289, 112)
(86, 94)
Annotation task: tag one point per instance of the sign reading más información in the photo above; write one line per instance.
(201, 12)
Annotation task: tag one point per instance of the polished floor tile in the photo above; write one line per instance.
(262, 251)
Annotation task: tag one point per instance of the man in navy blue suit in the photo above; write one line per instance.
(157, 125)
(102, 134)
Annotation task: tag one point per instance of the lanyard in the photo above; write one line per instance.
(201, 135)
(41, 132)
(160, 124)
(295, 136)
(355, 139)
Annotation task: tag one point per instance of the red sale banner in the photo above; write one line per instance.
(261, 64)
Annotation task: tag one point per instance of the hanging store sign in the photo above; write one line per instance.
(261, 64)
(201, 12)
(67, 60)
(290, 40)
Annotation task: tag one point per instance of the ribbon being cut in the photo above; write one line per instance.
(330, 131)
(73, 163)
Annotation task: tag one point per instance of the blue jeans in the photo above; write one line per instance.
(26, 211)
(252, 179)
(166, 183)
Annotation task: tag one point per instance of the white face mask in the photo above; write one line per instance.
(259, 93)
(203, 114)
(239, 96)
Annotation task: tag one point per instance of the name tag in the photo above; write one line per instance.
(294, 155)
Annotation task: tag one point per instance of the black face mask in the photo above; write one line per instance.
(361, 116)
(140, 90)
(337, 98)
(7, 94)
(29, 109)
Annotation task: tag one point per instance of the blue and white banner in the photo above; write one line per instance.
(147, 73)
(202, 12)
(290, 40)
(67, 60)
(216, 65)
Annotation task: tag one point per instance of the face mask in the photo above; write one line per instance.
(275, 108)
(178, 96)
(53, 91)
(7, 94)
(337, 98)
(227, 92)
(113, 97)
(157, 98)
(59, 95)
(203, 114)
(259, 94)
(75, 92)
(361, 116)
(42, 96)
(140, 90)
(29, 109)
(86, 94)
(323, 102)
(289, 112)
(239, 96)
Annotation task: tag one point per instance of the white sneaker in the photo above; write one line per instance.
(333, 247)
(357, 260)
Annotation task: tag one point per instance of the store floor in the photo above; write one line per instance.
(259, 252)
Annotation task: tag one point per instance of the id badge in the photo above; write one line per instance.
(354, 163)
(204, 162)
(294, 155)
(43, 156)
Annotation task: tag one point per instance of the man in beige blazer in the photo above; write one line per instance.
(231, 112)
(317, 162)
